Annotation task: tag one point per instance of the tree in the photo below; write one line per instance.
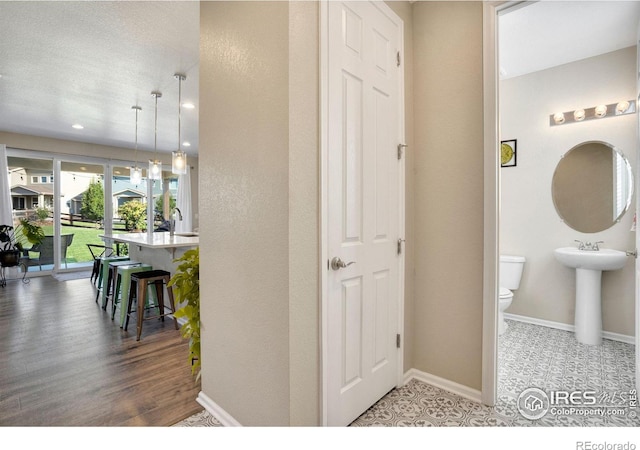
(93, 202)
(134, 214)
(160, 203)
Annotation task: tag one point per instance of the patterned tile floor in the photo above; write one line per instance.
(529, 356)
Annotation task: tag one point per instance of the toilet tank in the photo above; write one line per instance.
(511, 268)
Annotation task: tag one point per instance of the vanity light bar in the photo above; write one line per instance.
(597, 112)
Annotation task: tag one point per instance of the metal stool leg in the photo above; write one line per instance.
(172, 302)
(142, 295)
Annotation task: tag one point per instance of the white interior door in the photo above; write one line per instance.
(364, 212)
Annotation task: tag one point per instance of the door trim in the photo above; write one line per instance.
(490, 11)
(324, 241)
(491, 208)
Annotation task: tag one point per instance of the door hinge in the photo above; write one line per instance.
(400, 241)
(398, 340)
(398, 59)
(400, 147)
(633, 253)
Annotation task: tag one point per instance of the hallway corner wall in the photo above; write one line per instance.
(449, 186)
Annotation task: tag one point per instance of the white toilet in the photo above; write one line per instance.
(511, 268)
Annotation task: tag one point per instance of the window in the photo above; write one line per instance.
(34, 180)
(43, 179)
(18, 203)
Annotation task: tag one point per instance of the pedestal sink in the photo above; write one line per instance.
(589, 265)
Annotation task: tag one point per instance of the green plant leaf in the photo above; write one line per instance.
(186, 288)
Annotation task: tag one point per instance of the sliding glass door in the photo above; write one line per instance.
(32, 196)
(82, 213)
(76, 199)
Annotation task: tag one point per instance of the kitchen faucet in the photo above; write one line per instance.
(172, 221)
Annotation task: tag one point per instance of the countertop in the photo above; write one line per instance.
(158, 239)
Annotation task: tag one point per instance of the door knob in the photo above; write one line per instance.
(337, 263)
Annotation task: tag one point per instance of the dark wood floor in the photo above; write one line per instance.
(63, 362)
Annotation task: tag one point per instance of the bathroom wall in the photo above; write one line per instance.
(529, 224)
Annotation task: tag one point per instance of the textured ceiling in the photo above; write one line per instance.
(88, 62)
(550, 33)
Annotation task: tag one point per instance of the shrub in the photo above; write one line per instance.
(134, 214)
(42, 214)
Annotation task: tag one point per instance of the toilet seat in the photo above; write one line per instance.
(505, 293)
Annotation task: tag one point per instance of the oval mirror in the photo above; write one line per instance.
(592, 186)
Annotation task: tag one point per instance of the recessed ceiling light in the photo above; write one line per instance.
(77, 126)
(186, 144)
(117, 172)
(188, 105)
(83, 168)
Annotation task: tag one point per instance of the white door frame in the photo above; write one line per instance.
(491, 10)
(324, 241)
(491, 204)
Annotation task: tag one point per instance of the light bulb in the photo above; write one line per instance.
(601, 110)
(558, 118)
(578, 115)
(154, 170)
(622, 107)
(136, 175)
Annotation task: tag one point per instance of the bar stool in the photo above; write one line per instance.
(110, 292)
(98, 251)
(123, 285)
(103, 272)
(139, 283)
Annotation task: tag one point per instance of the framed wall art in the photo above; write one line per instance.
(508, 153)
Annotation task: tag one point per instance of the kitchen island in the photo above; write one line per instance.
(158, 248)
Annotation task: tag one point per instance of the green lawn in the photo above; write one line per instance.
(78, 250)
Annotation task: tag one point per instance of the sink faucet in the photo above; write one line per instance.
(172, 221)
(588, 246)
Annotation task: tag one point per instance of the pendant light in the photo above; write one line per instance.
(155, 166)
(179, 158)
(136, 172)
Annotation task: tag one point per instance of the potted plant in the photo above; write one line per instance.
(12, 241)
(186, 288)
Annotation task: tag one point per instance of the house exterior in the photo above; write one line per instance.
(33, 189)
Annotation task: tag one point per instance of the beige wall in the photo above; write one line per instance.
(75, 148)
(244, 207)
(304, 218)
(448, 108)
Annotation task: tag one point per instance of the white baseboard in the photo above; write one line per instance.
(217, 411)
(567, 327)
(442, 383)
